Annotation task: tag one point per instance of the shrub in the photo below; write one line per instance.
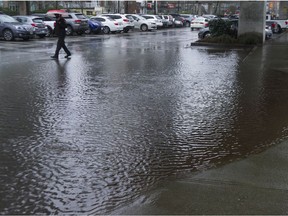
(245, 39)
(222, 27)
(227, 39)
(8, 11)
(250, 38)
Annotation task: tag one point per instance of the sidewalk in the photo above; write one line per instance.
(256, 185)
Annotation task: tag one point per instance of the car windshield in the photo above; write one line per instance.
(199, 20)
(7, 19)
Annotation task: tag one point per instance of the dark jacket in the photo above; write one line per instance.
(60, 27)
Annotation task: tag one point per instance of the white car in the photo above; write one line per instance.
(128, 22)
(119, 19)
(142, 23)
(109, 24)
(199, 23)
(155, 18)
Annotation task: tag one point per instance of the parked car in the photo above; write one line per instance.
(167, 20)
(209, 16)
(10, 29)
(155, 18)
(49, 21)
(76, 22)
(268, 32)
(188, 19)
(108, 24)
(95, 26)
(199, 23)
(178, 22)
(37, 23)
(274, 26)
(128, 22)
(205, 32)
(143, 24)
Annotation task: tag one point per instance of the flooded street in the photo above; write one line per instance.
(90, 134)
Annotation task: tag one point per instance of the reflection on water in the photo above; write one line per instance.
(88, 134)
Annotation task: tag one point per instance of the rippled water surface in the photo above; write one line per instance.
(89, 134)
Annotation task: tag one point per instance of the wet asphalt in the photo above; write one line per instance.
(128, 113)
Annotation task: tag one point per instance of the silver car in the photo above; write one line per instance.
(142, 23)
(39, 27)
(10, 29)
(76, 22)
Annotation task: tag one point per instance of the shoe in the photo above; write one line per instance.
(68, 55)
(54, 57)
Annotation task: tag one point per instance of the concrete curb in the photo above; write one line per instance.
(223, 45)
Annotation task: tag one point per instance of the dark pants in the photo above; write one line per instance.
(61, 44)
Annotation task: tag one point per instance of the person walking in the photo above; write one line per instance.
(60, 30)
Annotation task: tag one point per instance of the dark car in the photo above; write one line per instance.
(37, 24)
(10, 29)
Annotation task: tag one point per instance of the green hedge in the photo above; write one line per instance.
(251, 38)
(220, 27)
(8, 11)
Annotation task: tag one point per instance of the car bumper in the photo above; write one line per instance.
(152, 27)
(81, 28)
(41, 31)
(128, 28)
(24, 34)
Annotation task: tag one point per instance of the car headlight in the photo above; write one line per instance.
(19, 27)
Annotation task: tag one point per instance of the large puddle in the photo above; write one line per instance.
(89, 134)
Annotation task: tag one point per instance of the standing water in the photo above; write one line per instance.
(89, 134)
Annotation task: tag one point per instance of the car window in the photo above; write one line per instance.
(7, 19)
(37, 20)
(99, 19)
(148, 17)
(116, 17)
(80, 16)
(67, 16)
(47, 18)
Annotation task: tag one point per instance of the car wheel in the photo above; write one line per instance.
(192, 29)
(207, 35)
(279, 29)
(144, 27)
(126, 30)
(69, 30)
(88, 31)
(106, 30)
(42, 36)
(26, 39)
(8, 35)
(49, 32)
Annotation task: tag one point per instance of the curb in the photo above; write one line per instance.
(223, 45)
